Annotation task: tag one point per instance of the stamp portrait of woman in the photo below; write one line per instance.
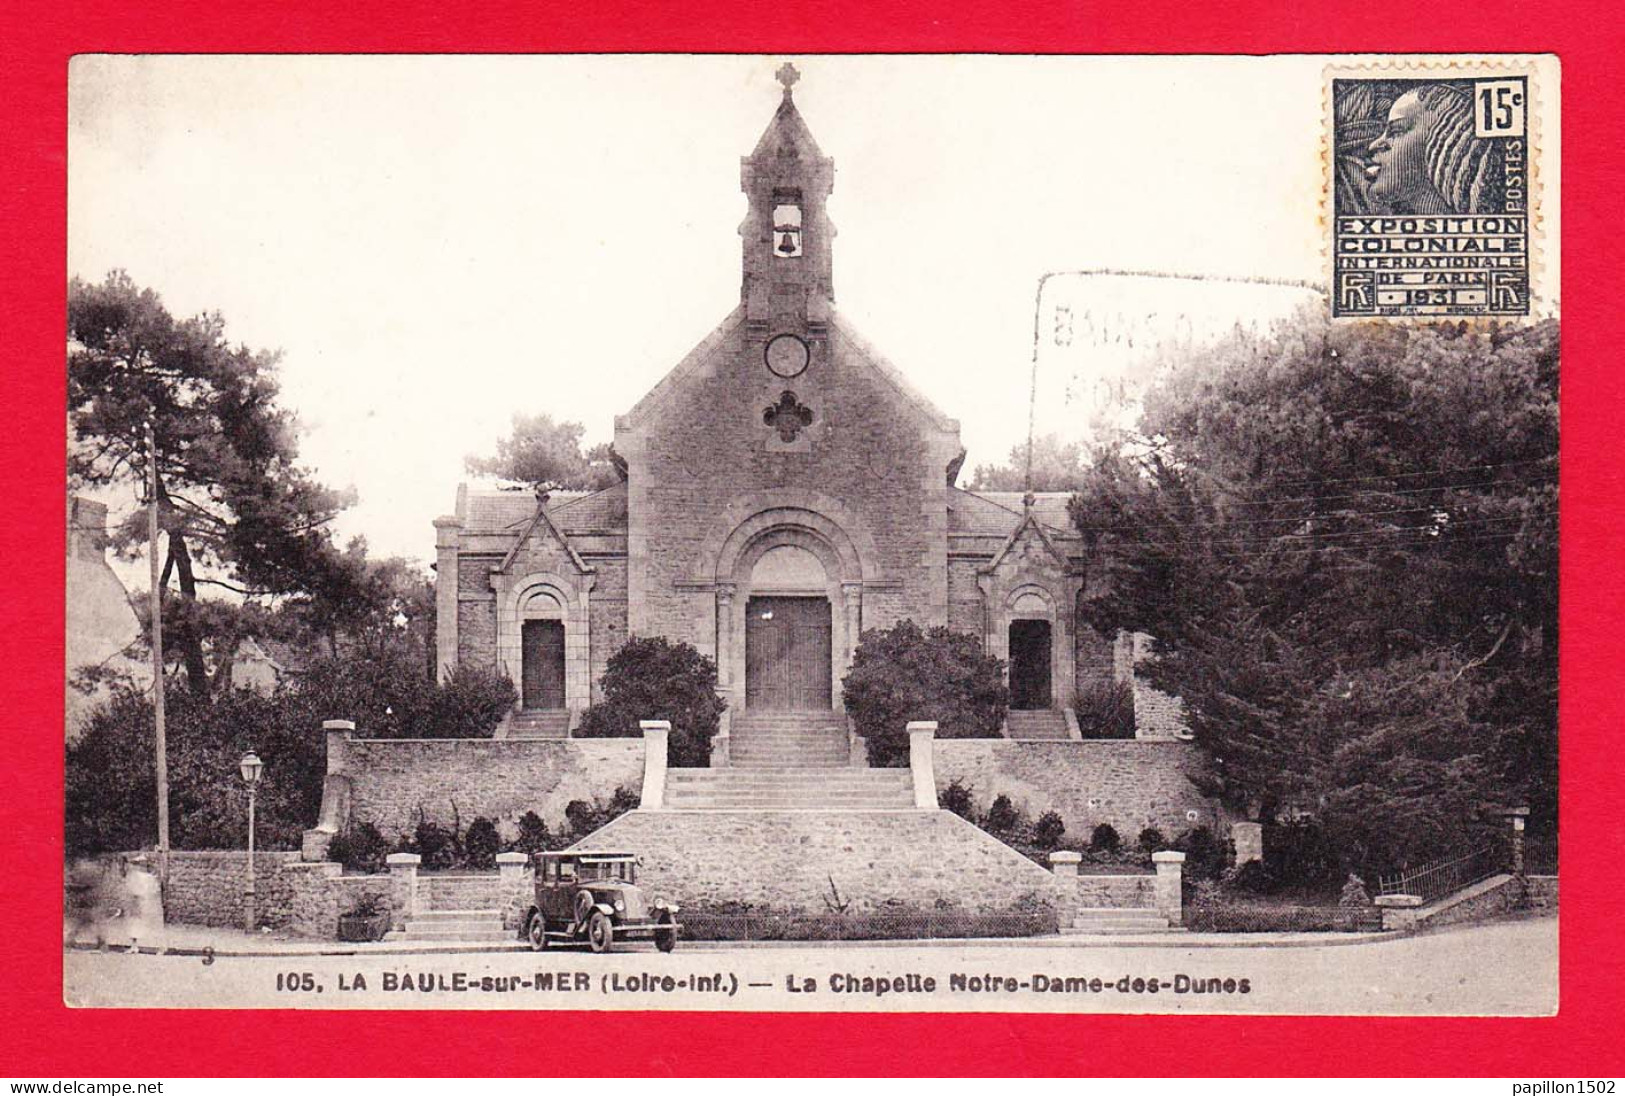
(1427, 158)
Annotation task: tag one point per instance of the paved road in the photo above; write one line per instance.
(1506, 968)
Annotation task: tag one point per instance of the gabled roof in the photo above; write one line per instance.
(541, 523)
(998, 513)
(1029, 520)
(890, 373)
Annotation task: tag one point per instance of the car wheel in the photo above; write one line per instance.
(600, 933)
(585, 905)
(666, 938)
(536, 932)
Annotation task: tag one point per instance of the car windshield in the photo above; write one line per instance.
(607, 871)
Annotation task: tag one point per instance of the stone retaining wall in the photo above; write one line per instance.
(787, 860)
(1126, 783)
(1540, 892)
(206, 888)
(391, 780)
(1117, 891)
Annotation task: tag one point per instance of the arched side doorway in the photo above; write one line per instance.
(542, 639)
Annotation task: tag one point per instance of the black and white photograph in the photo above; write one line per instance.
(933, 533)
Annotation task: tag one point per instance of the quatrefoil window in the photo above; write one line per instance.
(789, 416)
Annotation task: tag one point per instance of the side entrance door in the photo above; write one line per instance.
(541, 645)
(787, 653)
(1029, 664)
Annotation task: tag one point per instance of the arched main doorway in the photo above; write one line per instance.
(788, 632)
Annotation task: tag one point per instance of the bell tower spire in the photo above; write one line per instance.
(787, 178)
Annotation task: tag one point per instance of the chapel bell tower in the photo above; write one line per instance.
(787, 280)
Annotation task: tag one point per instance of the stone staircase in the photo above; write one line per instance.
(537, 723)
(458, 909)
(1112, 921)
(803, 788)
(789, 761)
(1043, 723)
(788, 740)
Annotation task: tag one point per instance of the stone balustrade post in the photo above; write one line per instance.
(655, 735)
(1249, 841)
(1399, 911)
(334, 811)
(1065, 863)
(514, 877)
(922, 764)
(1170, 885)
(403, 883)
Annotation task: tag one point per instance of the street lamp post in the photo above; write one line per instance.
(250, 767)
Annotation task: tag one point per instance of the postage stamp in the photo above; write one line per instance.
(1432, 193)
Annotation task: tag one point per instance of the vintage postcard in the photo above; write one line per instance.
(824, 533)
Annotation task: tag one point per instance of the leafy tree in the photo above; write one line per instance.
(547, 456)
(654, 678)
(906, 673)
(111, 788)
(1057, 466)
(1344, 539)
(240, 513)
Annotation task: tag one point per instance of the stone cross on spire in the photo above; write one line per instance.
(787, 75)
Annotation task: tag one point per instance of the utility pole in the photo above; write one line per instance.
(156, 604)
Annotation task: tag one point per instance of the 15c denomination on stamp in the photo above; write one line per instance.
(1430, 177)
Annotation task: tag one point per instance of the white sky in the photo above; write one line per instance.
(437, 243)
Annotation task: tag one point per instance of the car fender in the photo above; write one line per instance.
(604, 908)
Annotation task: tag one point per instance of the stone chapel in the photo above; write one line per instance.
(784, 487)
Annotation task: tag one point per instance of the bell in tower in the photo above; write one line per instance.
(786, 179)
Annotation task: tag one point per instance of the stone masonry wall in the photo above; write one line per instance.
(785, 860)
(1128, 784)
(206, 888)
(501, 779)
(705, 446)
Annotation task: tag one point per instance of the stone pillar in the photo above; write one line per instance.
(334, 813)
(1518, 816)
(1399, 911)
(852, 597)
(1170, 882)
(403, 882)
(655, 734)
(1065, 863)
(1249, 840)
(922, 764)
(448, 536)
(514, 877)
(725, 628)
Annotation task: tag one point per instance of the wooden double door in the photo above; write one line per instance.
(787, 653)
(541, 645)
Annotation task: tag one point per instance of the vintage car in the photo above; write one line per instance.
(594, 897)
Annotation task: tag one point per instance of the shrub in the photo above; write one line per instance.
(1104, 839)
(1048, 830)
(1206, 856)
(906, 673)
(1151, 840)
(360, 848)
(481, 844)
(435, 844)
(956, 797)
(1252, 877)
(1354, 895)
(654, 678)
(1105, 709)
(585, 817)
(1299, 854)
(1002, 816)
(533, 836)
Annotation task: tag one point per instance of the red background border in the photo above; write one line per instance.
(40, 1037)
